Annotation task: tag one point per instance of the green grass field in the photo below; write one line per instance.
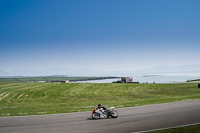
(19, 99)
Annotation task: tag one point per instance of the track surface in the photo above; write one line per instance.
(133, 119)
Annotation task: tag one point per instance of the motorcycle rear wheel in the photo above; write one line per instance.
(95, 116)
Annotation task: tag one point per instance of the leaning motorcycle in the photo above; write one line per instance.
(100, 113)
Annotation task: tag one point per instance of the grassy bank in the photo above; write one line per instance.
(186, 129)
(48, 98)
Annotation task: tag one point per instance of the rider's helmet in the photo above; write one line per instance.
(99, 105)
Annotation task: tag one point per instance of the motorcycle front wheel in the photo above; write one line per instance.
(114, 114)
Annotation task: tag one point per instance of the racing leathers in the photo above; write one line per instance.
(103, 109)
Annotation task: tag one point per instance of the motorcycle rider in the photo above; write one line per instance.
(103, 109)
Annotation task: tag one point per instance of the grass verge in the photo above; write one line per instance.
(186, 129)
(19, 99)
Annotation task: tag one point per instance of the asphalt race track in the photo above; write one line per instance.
(133, 119)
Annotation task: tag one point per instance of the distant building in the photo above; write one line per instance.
(42, 81)
(65, 81)
(126, 79)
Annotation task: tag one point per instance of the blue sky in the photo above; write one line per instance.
(98, 34)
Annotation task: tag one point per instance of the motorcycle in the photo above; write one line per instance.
(100, 113)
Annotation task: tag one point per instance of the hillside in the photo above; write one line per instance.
(50, 98)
